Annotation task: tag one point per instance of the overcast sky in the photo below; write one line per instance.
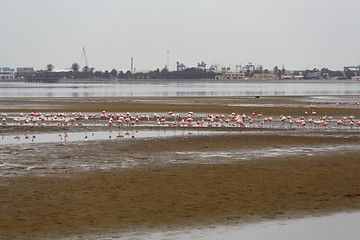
(298, 34)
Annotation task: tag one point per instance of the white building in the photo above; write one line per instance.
(7, 73)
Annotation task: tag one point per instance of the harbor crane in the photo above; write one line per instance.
(86, 61)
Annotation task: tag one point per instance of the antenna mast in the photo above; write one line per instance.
(86, 61)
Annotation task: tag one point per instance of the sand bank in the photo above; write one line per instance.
(177, 195)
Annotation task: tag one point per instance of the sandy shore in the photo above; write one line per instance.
(180, 194)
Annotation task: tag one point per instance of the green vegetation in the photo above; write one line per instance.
(48, 75)
(49, 67)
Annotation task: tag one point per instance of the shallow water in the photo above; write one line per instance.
(177, 89)
(333, 227)
(47, 153)
(76, 132)
(216, 157)
(51, 153)
(91, 136)
(259, 123)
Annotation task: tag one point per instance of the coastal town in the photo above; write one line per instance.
(248, 71)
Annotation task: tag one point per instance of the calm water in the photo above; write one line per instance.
(177, 89)
(334, 227)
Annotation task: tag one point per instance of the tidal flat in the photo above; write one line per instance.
(179, 176)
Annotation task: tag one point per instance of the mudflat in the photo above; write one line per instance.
(173, 185)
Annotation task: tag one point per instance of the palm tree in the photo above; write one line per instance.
(49, 67)
(85, 72)
(113, 73)
(261, 69)
(276, 69)
(121, 74)
(85, 69)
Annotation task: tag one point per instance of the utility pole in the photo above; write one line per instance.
(167, 66)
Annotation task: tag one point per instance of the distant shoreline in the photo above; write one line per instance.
(187, 80)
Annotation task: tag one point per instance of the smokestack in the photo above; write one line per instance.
(132, 63)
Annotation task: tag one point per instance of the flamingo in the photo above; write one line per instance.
(325, 124)
(163, 120)
(17, 120)
(262, 123)
(271, 121)
(291, 122)
(283, 119)
(239, 122)
(339, 123)
(303, 124)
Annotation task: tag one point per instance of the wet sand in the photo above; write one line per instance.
(225, 105)
(171, 196)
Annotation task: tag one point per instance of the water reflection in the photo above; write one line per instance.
(332, 227)
(177, 88)
(92, 136)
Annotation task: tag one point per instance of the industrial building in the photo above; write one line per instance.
(180, 67)
(201, 66)
(250, 67)
(262, 76)
(231, 76)
(352, 68)
(25, 70)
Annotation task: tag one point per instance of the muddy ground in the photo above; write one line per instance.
(170, 187)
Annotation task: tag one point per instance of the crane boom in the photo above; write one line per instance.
(86, 61)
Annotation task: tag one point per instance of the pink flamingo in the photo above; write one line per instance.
(17, 120)
(291, 122)
(283, 119)
(339, 123)
(325, 124)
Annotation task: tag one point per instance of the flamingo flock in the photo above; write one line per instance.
(188, 119)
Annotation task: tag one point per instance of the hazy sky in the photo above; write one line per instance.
(299, 34)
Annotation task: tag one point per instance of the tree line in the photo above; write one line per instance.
(90, 73)
(189, 73)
